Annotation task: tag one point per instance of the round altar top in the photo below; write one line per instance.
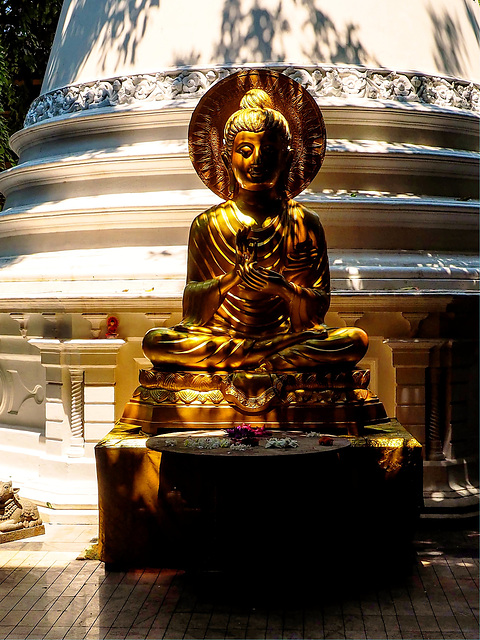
(305, 120)
(216, 443)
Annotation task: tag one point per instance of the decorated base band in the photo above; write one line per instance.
(167, 401)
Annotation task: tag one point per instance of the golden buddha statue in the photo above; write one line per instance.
(252, 343)
(258, 283)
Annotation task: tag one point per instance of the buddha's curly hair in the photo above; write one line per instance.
(256, 114)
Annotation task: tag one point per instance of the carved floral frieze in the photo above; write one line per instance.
(325, 81)
(253, 392)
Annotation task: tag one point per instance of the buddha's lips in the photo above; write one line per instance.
(258, 174)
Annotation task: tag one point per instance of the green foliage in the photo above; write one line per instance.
(6, 155)
(27, 29)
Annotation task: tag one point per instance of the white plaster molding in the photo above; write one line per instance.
(412, 352)
(414, 318)
(322, 81)
(338, 115)
(350, 318)
(117, 303)
(388, 210)
(77, 441)
(354, 157)
(71, 347)
(51, 325)
(95, 320)
(4, 391)
(376, 213)
(69, 281)
(85, 362)
(48, 171)
(18, 392)
(391, 301)
(127, 173)
(22, 319)
(158, 319)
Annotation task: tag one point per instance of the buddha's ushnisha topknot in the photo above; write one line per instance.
(256, 99)
(256, 114)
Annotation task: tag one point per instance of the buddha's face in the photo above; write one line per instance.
(258, 159)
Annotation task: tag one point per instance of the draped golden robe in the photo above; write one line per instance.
(246, 328)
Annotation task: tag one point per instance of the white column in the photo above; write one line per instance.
(411, 358)
(80, 392)
(77, 441)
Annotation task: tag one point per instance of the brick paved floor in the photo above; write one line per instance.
(45, 592)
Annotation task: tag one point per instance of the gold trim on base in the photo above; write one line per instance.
(171, 401)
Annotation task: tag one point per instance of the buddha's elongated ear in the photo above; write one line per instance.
(226, 160)
(232, 183)
(288, 158)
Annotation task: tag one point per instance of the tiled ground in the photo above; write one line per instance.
(46, 593)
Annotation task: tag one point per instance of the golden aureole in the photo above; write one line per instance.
(258, 283)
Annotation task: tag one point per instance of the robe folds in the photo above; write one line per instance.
(292, 244)
(246, 328)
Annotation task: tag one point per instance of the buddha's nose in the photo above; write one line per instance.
(259, 156)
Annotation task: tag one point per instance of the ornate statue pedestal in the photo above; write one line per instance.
(334, 401)
(173, 506)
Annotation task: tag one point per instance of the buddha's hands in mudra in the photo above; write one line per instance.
(265, 280)
(254, 276)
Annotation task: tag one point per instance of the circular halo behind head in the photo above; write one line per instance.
(304, 118)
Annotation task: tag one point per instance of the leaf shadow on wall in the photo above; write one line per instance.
(331, 44)
(114, 26)
(258, 35)
(451, 54)
(247, 36)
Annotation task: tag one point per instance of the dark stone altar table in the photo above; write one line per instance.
(162, 503)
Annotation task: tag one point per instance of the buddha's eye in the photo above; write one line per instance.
(245, 150)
